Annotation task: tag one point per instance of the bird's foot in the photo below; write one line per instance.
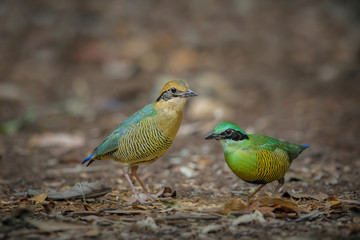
(138, 199)
(165, 194)
(150, 197)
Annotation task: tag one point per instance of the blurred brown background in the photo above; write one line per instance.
(71, 71)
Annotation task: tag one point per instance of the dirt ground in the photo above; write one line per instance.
(71, 71)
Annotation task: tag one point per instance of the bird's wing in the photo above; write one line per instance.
(111, 143)
(272, 144)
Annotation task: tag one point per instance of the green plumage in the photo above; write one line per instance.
(260, 159)
(255, 158)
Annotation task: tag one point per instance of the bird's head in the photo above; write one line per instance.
(174, 93)
(227, 131)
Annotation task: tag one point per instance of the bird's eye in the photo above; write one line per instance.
(228, 131)
(236, 137)
(173, 90)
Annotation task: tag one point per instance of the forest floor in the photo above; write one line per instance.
(62, 93)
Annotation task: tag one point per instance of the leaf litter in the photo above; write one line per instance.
(203, 188)
(82, 190)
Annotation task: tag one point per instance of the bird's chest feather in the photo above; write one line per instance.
(258, 166)
(169, 122)
(242, 164)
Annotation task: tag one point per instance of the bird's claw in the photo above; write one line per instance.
(137, 199)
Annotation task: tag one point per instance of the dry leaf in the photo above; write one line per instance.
(333, 203)
(81, 190)
(255, 205)
(87, 207)
(279, 205)
(320, 196)
(78, 191)
(166, 192)
(92, 232)
(39, 198)
(313, 207)
(233, 205)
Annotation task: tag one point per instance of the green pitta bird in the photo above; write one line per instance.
(147, 134)
(256, 159)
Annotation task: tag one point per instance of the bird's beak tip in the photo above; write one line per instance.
(209, 136)
(191, 93)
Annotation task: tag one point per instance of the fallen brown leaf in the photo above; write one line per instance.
(233, 205)
(258, 206)
(39, 198)
(87, 207)
(80, 190)
(333, 203)
(320, 196)
(279, 204)
(92, 232)
(166, 192)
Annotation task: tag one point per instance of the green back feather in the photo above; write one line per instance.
(111, 143)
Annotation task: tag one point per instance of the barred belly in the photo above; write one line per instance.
(142, 144)
(271, 165)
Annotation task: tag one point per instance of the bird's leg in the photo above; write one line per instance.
(137, 197)
(281, 183)
(256, 191)
(134, 173)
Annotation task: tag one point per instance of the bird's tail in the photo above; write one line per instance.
(302, 147)
(89, 158)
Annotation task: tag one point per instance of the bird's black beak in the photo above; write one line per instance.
(214, 136)
(188, 93)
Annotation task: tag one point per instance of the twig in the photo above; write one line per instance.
(124, 212)
(126, 205)
(82, 192)
(214, 214)
(85, 213)
(183, 217)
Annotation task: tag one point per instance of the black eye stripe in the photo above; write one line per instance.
(168, 94)
(234, 135)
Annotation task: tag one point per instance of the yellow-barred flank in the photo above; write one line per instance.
(271, 165)
(143, 143)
